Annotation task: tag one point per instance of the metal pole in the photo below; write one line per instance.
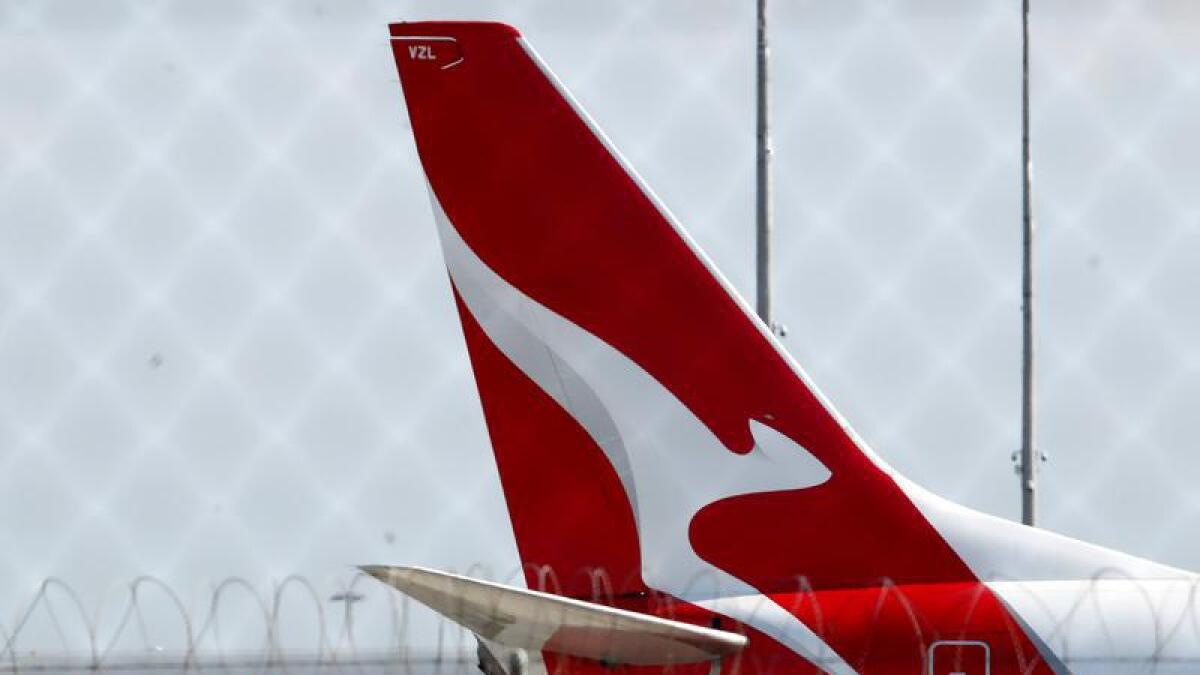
(763, 168)
(1029, 460)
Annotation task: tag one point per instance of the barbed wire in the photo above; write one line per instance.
(1166, 612)
(204, 644)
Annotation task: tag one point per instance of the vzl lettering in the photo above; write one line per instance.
(421, 53)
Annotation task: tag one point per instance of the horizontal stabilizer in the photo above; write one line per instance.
(523, 619)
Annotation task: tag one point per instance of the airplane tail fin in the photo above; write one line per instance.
(623, 380)
(651, 434)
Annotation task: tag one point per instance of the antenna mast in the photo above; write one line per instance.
(1029, 457)
(763, 176)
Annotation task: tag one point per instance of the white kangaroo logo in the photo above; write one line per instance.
(670, 464)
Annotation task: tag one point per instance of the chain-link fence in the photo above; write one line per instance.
(228, 348)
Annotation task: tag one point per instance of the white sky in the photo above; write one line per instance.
(227, 345)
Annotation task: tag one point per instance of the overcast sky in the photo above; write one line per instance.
(227, 344)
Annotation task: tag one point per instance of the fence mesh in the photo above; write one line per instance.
(228, 350)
